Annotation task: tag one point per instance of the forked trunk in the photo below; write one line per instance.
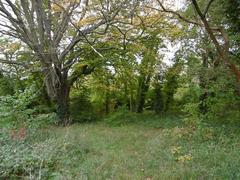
(58, 89)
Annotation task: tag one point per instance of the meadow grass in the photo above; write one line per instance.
(157, 149)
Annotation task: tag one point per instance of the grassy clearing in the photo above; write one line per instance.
(137, 151)
(140, 152)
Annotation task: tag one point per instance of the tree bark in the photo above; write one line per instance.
(62, 101)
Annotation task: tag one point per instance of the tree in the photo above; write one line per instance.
(147, 67)
(171, 84)
(203, 20)
(54, 31)
(158, 102)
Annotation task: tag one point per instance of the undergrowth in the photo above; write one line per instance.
(145, 146)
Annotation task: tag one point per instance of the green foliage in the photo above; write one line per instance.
(152, 146)
(221, 98)
(132, 151)
(5, 87)
(230, 9)
(39, 160)
(158, 101)
(126, 63)
(223, 101)
(120, 117)
(192, 118)
(19, 159)
(37, 120)
(16, 110)
(101, 87)
(170, 86)
(188, 100)
(82, 110)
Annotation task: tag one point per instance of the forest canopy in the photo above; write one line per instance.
(113, 53)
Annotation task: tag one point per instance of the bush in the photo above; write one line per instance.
(220, 101)
(34, 157)
(15, 111)
(42, 120)
(18, 159)
(192, 118)
(120, 117)
(82, 110)
(223, 103)
(123, 116)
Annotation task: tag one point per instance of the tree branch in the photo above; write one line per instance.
(176, 13)
(4, 61)
(208, 6)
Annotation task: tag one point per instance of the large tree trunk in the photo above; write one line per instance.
(62, 103)
(58, 90)
(62, 98)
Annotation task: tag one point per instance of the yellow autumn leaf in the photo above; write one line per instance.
(87, 21)
(56, 8)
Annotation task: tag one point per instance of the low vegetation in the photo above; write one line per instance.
(142, 148)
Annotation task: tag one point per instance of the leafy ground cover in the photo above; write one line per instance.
(161, 148)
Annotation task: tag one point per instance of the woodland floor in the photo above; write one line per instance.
(148, 152)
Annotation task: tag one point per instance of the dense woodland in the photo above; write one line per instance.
(86, 80)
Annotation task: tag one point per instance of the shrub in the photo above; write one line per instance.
(15, 111)
(221, 100)
(120, 117)
(82, 110)
(223, 103)
(42, 120)
(35, 157)
(18, 159)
